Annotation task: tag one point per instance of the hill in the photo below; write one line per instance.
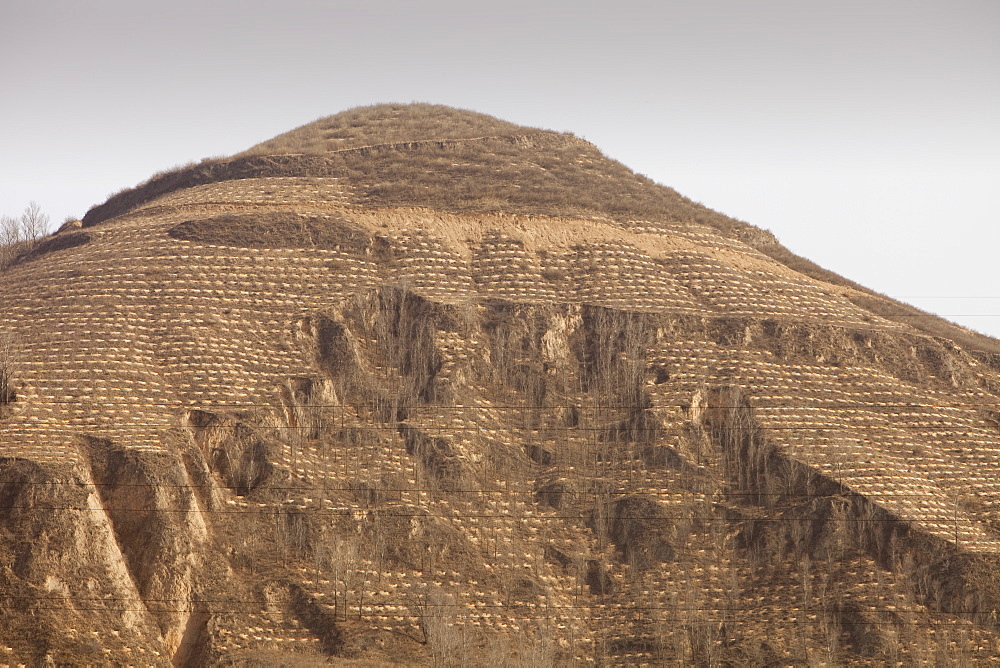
(411, 384)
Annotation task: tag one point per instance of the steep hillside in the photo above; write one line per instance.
(414, 385)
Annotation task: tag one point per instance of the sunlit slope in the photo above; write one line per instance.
(328, 406)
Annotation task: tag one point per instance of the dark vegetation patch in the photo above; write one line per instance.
(640, 426)
(907, 355)
(402, 326)
(320, 619)
(598, 579)
(546, 173)
(282, 229)
(373, 494)
(660, 455)
(557, 557)
(860, 630)
(241, 457)
(439, 459)
(557, 494)
(515, 336)
(10, 252)
(640, 528)
(409, 537)
(634, 645)
(59, 242)
(539, 455)
(612, 349)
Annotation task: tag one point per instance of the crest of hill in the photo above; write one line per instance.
(386, 124)
(447, 159)
(451, 160)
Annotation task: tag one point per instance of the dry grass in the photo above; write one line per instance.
(456, 160)
(528, 171)
(887, 307)
(275, 230)
(385, 124)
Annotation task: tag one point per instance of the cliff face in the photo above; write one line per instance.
(272, 414)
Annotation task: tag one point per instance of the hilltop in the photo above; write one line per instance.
(455, 160)
(437, 157)
(411, 384)
(382, 124)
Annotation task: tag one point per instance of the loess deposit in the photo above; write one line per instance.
(411, 384)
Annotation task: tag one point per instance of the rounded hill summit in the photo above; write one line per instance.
(447, 159)
(388, 124)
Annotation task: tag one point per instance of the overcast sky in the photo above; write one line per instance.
(864, 134)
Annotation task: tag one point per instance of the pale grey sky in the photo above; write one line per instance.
(864, 134)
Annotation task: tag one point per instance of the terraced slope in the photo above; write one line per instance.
(339, 404)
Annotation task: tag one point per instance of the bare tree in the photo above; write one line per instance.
(34, 223)
(15, 233)
(18, 234)
(10, 230)
(8, 361)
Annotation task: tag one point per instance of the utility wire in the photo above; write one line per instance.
(372, 487)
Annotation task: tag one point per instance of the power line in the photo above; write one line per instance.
(755, 403)
(349, 511)
(418, 609)
(478, 605)
(686, 494)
